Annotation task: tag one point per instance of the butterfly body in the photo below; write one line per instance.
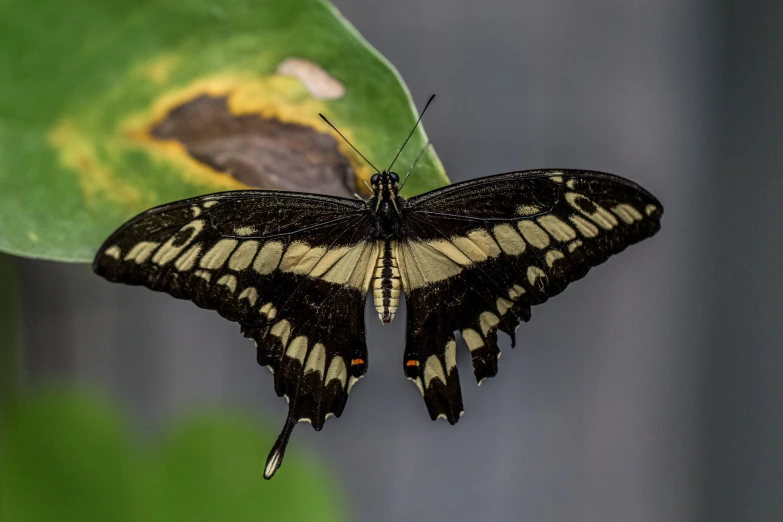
(387, 207)
(295, 269)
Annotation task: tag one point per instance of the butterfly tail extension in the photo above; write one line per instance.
(275, 458)
(315, 359)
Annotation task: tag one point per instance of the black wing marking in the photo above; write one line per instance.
(292, 269)
(476, 256)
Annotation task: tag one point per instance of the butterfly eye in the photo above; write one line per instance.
(375, 179)
(395, 178)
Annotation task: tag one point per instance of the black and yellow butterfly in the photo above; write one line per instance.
(294, 270)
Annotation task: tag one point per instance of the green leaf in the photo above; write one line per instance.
(109, 108)
(66, 455)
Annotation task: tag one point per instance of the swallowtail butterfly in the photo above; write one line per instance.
(294, 269)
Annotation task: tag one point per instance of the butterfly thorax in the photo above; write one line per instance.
(386, 205)
(387, 208)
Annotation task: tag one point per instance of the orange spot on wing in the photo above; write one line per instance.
(357, 362)
(412, 363)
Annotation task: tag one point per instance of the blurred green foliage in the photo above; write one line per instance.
(68, 456)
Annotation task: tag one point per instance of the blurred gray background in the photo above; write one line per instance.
(649, 391)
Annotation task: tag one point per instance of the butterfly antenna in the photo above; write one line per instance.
(414, 165)
(348, 142)
(412, 131)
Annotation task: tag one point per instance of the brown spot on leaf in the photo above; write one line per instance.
(263, 153)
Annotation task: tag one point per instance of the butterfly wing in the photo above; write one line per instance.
(475, 256)
(292, 269)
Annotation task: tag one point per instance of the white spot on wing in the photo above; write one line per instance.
(337, 371)
(433, 369)
(627, 213)
(508, 239)
(487, 321)
(450, 357)
(528, 210)
(298, 347)
(515, 292)
(299, 258)
(552, 256)
(328, 260)
(268, 310)
(478, 245)
(534, 234)
(251, 294)
(485, 242)
(243, 255)
(421, 263)
(353, 268)
(167, 252)
(559, 230)
(585, 228)
(316, 362)
(282, 329)
(113, 251)
(188, 260)
(268, 258)
(473, 339)
(649, 209)
(245, 231)
(600, 216)
(141, 251)
(218, 254)
(503, 305)
(448, 249)
(228, 280)
(534, 274)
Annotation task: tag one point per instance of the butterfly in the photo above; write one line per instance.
(294, 270)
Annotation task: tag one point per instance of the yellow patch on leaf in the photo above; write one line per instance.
(159, 70)
(78, 153)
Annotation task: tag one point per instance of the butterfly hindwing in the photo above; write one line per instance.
(475, 256)
(292, 269)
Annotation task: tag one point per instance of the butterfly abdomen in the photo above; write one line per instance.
(386, 283)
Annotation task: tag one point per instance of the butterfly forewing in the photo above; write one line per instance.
(477, 255)
(292, 269)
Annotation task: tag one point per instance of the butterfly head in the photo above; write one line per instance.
(385, 199)
(384, 180)
(385, 184)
